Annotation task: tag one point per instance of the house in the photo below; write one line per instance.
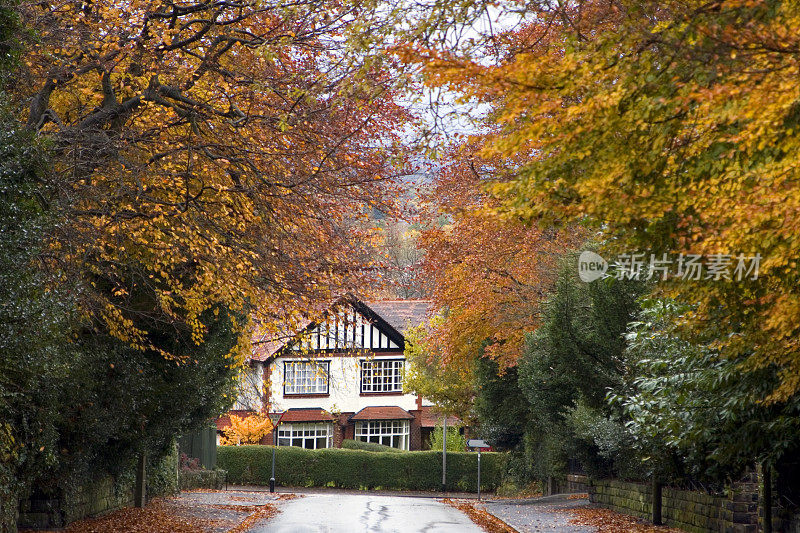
(341, 378)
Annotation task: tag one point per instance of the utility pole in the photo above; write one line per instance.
(444, 453)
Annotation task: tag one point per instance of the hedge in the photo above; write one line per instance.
(359, 469)
(351, 444)
(201, 478)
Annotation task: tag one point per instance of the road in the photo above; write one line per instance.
(539, 514)
(351, 513)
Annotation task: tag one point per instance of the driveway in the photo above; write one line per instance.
(351, 513)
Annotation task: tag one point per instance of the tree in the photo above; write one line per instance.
(34, 322)
(451, 387)
(570, 363)
(503, 412)
(455, 440)
(668, 125)
(487, 273)
(235, 145)
(248, 429)
(696, 411)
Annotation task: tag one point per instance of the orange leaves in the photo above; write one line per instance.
(249, 429)
(607, 520)
(223, 150)
(488, 273)
(669, 126)
(485, 520)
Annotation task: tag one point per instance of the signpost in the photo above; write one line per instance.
(444, 453)
(480, 445)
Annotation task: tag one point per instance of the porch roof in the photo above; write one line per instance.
(382, 413)
(306, 414)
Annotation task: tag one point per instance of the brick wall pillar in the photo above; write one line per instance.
(415, 431)
(339, 430)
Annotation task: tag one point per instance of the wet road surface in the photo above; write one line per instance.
(539, 514)
(348, 513)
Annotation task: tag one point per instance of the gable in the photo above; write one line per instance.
(350, 325)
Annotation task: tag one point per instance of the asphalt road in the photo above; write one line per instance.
(539, 514)
(351, 513)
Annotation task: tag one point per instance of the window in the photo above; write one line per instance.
(311, 436)
(382, 375)
(392, 433)
(305, 377)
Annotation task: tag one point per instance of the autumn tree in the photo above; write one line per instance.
(227, 148)
(450, 387)
(668, 125)
(249, 429)
(487, 273)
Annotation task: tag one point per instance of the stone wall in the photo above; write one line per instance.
(577, 484)
(101, 495)
(635, 499)
(691, 511)
(201, 479)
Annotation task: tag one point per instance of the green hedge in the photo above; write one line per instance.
(359, 469)
(201, 479)
(368, 446)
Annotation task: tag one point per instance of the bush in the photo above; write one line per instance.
(455, 440)
(351, 444)
(359, 469)
(200, 478)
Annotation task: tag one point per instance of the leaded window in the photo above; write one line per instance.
(382, 375)
(306, 435)
(392, 433)
(306, 377)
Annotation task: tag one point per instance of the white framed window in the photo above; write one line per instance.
(382, 375)
(392, 433)
(312, 436)
(305, 377)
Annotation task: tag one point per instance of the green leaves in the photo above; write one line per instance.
(696, 411)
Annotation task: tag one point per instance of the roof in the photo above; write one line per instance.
(382, 413)
(429, 417)
(402, 314)
(306, 414)
(398, 314)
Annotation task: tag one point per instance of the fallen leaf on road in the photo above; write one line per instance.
(608, 521)
(485, 520)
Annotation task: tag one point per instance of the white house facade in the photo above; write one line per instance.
(342, 378)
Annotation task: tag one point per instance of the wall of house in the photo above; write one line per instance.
(344, 394)
(251, 388)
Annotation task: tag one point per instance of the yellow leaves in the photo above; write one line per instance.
(247, 429)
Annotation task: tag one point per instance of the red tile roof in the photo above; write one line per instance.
(306, 414)
(382, 413)
(402, 314)
(430, 417)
